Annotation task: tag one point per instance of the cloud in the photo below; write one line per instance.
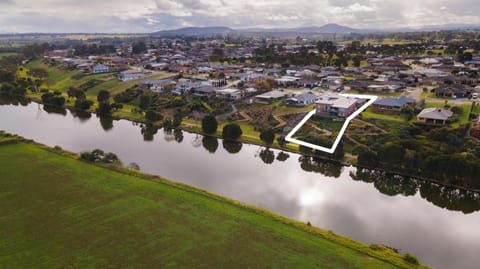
(153, 15)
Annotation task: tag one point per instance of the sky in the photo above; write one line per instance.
(140, 16)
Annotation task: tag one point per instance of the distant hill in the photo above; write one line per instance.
(189, 31)
(331, 28)
(220, 30)
(328, 28)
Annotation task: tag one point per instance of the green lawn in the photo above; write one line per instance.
(462, 119)
(6, 54)
(58, 212)
(368, 114)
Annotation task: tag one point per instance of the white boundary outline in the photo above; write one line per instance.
(331, 150)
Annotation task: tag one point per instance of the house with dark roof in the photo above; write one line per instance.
(391, 105)
(453, 91)
(434, 116)
(203, 91)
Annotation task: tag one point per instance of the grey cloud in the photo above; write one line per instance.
(152, 15)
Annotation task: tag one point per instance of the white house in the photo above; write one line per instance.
(130, 75)
(100, 68)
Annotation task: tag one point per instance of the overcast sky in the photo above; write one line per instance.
(153, 15)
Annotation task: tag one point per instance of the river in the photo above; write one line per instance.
(439, 225)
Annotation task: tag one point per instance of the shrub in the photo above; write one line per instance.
(411, 259)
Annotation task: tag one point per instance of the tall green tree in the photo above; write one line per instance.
(209, 124)
(231, 132)
(103, 96)
(268, 136)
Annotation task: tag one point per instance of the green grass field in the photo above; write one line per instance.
(6, 54)
(58, 212)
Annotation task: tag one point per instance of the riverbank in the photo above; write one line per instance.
(59, 212)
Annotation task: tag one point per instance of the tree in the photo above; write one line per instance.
(104, 109)
(281, 141)
(357, 59)
(209, 124)
(268, 136)
(139, 47)
(407, 112)
(217, 54)
(177, 118)
(83, 104)
(231, 132)
(103, 96)
(53, 99)
(153, 116)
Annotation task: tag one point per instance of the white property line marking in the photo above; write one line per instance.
(331, 150)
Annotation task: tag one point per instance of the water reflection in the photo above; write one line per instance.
(404, 213)
(106, 123)
(168, 135)
(83, 116)
(267, 155)
(210, 143)
(439, 195)
(232, 147)
(178, 135)
(318, 165)
(282, 156)
(148, 131)
(55, 110)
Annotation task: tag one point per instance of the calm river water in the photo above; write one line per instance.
(439, 225)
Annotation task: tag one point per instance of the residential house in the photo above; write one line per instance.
(434, 116)
(100, 68)
(431, 72)
(203, 91)
(454, 91)
(337, 106)
(269, 97)
(301, 100)
(130, 75)
(287, 81)
(186, 85)
(157, 85)
(229, 94)
(391, 105)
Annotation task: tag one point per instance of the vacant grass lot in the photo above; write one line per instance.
(58, 212)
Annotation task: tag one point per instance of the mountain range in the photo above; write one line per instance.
(331, 28)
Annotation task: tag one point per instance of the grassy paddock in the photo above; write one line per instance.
(59, 212)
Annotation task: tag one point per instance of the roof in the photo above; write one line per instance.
(435, 113)
(304, 97)
(338, 102)
(228, 91)
(344, 102)
(272, 94)
(204, 89)
(131, 72)
(395, 102)
(102, 66)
